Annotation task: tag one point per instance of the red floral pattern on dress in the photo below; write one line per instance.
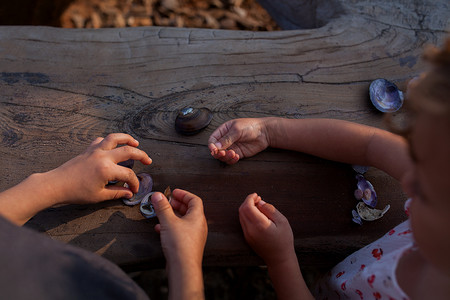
(405, 232)
(340, 274)
(377, 253)
(369, 273)
(370, 280)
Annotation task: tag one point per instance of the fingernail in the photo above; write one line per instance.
(156, 197)
(218, 145)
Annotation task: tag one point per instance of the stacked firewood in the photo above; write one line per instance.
(223, 14)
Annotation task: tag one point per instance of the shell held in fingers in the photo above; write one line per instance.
(385, 95)
(145, 187)
(191, 120)
(146, 206)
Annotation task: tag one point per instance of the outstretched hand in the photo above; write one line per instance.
(84, 178)
(237, 139)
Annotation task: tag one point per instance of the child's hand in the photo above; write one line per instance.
(237, 139)
(183, 231)
(84, 178)
(266, 230)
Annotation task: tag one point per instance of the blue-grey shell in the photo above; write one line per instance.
(385, 95)
(146, 206)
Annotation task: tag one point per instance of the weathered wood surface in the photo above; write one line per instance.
(62, 88)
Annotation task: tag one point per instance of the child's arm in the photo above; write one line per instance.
(269, 234)
(327, 138)
(183, 240)
(82, 179)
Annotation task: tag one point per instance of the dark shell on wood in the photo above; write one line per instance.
(190, 120)
(385, 95)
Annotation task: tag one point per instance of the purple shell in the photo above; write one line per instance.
(385, 95)
(369, 196)
(356, 218)
(145, 187)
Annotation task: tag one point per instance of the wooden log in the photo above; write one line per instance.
(62, 88)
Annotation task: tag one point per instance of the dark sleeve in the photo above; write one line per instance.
(33, 266)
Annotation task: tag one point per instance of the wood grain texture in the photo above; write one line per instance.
(62, 88)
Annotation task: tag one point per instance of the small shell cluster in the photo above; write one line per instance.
(365, 193)
(144, 194)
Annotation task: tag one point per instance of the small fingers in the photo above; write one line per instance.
(128, 152)
(114, 139)
(188, 203)
(127, 175)
(249, 213)
(227, 156)
(115, 192)
(162, 208)
(96, 142)
(272, 213)
(223, 137)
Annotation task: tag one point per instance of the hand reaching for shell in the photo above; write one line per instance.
(238, 138)
(82, 179)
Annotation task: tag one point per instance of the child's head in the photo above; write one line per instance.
(428, 183)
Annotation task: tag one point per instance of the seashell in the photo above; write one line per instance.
(385, 95)
(356, 218)
(145, 187)
(365, 191)
(146, 206)
(190, 120)
(168, 193)
(370, 214)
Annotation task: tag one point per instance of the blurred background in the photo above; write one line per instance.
(215, 14)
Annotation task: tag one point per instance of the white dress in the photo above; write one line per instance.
(369, 273)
